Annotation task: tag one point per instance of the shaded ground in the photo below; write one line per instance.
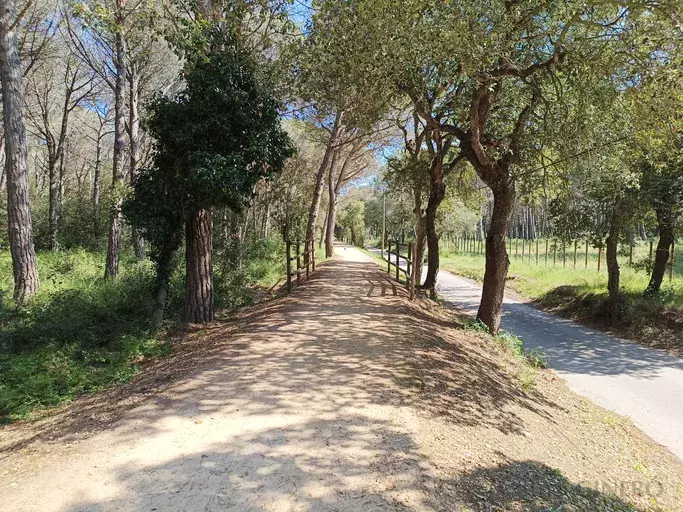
(341, 397)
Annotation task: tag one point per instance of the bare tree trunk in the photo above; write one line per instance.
(437, 191)
(320, 179)
(612, 247)
(54, 181)
(134, 135)
(497, 262)
(114, 243)
(199, 305)
(420, 238)
(26, 281)
(3, 174)
(96, 187)
(666, 238)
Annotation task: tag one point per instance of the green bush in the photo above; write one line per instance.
(79, 334)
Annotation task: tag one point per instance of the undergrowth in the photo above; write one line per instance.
(82, 333)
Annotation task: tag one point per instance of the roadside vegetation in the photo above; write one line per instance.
(81, 332)
(581, 293)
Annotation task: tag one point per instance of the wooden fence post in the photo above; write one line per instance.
(586, 253)
(555, 253)
(523, 244)
(288, 246)
(389, 257)
(298, 263)
(409, 262)
(650, 250)
(313, 250)
(630, 254)
(516, 247)
(672, 261)
(411, 286)
(398, 251)
(576, 246)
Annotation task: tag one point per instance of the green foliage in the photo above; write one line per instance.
(352, 221)
(79, 334)
(263, 265)
(214, 141)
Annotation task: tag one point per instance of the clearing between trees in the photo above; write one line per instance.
(341, 396)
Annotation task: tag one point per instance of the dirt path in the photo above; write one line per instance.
(645, 384)
(345, 397)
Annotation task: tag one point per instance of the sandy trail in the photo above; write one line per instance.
(296, 414)
(343, 397)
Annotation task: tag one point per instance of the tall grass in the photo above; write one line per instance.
(82, 333)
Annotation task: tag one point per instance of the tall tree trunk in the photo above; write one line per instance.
(666, 238)
(96, 189)
(26, 281)
(134, 153)
(114, 242)
(324, 231)
(611, 252)
(199, 306)
(54, 181)
(3, 174)
(420, 238)
(437, 191)
(320, 179)
(497, 261)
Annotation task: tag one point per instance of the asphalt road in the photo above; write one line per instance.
(642, 383)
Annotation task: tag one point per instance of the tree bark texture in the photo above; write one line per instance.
(320, 179)
(26, 281)
(114, 241)
(199, 304)
(134, 150)
(420, 238)
(497, 261)
(666, 238)
(612, 247)
(437, 192)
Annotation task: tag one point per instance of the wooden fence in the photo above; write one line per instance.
(305, 261)
(547, 251)
(394, 260)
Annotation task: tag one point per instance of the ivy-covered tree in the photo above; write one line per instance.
(214, 141)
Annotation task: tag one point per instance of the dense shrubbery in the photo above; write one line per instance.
(82, 332)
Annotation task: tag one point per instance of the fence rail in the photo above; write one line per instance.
(305, 260)
(397, 256)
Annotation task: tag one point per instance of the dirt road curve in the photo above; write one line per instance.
(343, 397)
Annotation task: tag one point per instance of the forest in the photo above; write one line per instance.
(158, 154)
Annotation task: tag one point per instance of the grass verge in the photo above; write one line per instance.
(581, 294)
